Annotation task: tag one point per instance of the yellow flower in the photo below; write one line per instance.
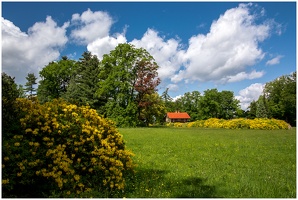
(28, 130)
(19, 174)
(35, 132)
(76, 177)
(68, 192)
(81, 185)
(79, 160)
(6, 158)
(5, 181)
(17, 144)
(93, 160)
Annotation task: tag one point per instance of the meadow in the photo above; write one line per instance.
(200, 162)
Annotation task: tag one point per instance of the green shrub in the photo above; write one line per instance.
(70, 150)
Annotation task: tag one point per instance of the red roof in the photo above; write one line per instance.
(182, 115)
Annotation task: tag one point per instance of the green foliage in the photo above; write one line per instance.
(10, 116)
(281, 97)
(261, 110)
(29, 86)
(63, 150)
(83, 85)
(127, 75)
(55, 79)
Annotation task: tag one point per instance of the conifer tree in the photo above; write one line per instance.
(29, 86)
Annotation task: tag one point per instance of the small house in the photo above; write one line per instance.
(177, 117)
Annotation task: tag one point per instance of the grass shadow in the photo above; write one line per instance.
(194, 187)
(153, 183)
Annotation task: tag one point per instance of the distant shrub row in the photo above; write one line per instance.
(241, 123)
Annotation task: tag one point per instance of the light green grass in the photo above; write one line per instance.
(196, 162)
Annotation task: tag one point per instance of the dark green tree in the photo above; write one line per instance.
(29, 86)
(55, 79)
(210, 104)
(261, 110)
(83, 85)
(10, 115)
(229, 106)
(252, 110)
(280, 95)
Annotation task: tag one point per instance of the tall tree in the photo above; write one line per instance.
(55, 79)
(252, 110)
(168, 100)
(281, 97)
(210, 103)
(83, 85)
(261, 110)
(228, 105)
(29, 86)
(126, 75)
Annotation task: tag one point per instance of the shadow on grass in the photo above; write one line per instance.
(194, 187)
(151, 183)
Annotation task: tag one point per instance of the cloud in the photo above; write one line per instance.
(24, 53)
(173, 87)
(104, 45)
(90, 26)
(242, 76)
(176, 97)
(225, 53)
(249, 94)
(274, 61)
(167, 53)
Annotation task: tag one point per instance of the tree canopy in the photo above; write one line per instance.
(123, 87)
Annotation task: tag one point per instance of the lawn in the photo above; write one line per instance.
(197, 162)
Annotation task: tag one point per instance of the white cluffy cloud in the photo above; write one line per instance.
(249, 94)
(28, 52)
(90, 26)
(274, 61)
(242, 76)
(227, 50)
(166, 53)
(104, 45)
(223, 55)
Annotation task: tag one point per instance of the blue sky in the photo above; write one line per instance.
(234, 46)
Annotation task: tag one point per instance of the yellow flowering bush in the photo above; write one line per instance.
(241, 123)
(68, 147)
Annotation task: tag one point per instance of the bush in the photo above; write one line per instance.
(63, 150)
(241, 123)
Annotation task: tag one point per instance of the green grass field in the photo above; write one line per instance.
(196, 162)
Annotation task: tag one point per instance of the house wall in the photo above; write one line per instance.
(176, 120)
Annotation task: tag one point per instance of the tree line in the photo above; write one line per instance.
(123, 87)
